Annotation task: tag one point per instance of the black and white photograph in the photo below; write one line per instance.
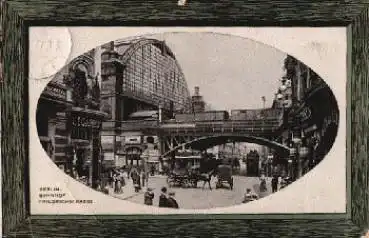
(187, 120)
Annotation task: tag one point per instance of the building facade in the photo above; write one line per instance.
(69, 118)
(311, 116)
(138, 75)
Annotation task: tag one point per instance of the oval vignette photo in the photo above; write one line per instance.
(187, 120)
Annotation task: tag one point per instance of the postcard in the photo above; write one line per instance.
(187, 120)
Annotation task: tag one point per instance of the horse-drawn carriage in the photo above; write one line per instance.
(181, 178)
(224, 175)
(188, 178)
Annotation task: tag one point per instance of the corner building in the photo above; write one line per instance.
(69, 118)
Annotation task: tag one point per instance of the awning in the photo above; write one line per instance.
(188, 157)
(90, 113)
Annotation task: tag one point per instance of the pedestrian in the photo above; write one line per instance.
(98, 186)
(263, 187)
(172, 201)
(139, 181)
(143, 177)
(163, 199)
(106, 189)
(116, 183)
(249, 196)
(136, 180)
(152, 170)
(274, 184)
(283, 184)
(148, 197)
(111, 179)
(121, 178)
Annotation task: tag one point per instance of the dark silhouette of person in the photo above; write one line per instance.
(274, 184)
(172, 202)
(163, 199)
(148, 197)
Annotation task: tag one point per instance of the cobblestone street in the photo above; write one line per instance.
(196, 198)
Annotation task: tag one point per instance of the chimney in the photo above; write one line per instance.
(197, 91)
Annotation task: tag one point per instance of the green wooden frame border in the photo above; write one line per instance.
(17, 15)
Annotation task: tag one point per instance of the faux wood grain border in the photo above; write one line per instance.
(13, 127)
(359, 116)
(17, 15)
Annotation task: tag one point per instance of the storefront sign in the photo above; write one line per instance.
(107, 139)
(108, 156)
(133, 139)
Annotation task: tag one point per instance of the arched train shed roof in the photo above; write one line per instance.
(128, 47)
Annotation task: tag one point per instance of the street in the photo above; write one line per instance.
(197, 198)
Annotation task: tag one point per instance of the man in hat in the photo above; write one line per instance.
(275, 183)
(172, 201)
(148, 197)
(163, 199)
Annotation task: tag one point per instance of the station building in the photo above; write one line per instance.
(141, 80)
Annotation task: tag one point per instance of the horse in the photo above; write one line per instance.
(206, 177)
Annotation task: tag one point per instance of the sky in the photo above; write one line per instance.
(232, 72)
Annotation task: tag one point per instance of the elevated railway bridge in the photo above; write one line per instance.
(200, 135)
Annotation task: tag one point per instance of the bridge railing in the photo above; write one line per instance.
(139, 125)
(250, 126)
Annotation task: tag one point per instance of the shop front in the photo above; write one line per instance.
(133, 155)
(317, 128)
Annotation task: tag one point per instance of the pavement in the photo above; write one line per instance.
(196, 198)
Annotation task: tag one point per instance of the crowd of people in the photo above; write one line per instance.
(166, 199)
(117, 180)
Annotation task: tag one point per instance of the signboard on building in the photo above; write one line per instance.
(107, 139)
(133, 140)
(109, 157)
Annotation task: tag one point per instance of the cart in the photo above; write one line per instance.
(224, 176)
(179, 178)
